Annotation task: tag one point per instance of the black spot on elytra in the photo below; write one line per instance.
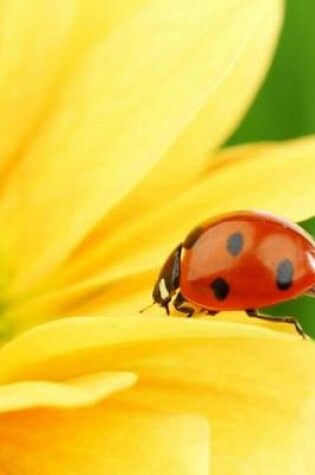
(192, 237)
(284, 274)
(220, 288)
(235, 243)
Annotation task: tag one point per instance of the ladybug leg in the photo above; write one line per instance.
(255, 313)
(178, 304)
(211, 313)
(167, 308)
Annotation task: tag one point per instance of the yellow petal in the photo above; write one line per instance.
(274, 177)
(258, 396)
(39, 45)
(82, 391)
(242, 380)
(81, 340)
(107, 439)
(95, 19)
(114, 119)
(32, 43)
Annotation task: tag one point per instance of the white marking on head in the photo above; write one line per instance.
(163, 290)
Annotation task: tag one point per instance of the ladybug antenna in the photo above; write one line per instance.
(146, 308)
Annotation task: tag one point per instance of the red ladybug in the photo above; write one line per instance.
(243, 260)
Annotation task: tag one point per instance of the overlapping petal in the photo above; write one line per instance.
(155, 71)
(221, 372)
(84, 391)
(35, 354)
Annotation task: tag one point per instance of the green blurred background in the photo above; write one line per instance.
(285, 109)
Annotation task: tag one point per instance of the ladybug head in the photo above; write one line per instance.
(161, 294)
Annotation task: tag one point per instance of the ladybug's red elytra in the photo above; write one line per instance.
(242, 260)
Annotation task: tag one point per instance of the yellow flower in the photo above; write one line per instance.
(111, 116)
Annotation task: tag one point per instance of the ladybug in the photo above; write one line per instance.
(242, 260)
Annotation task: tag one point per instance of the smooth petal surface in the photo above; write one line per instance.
(261, 410)
(40, 44)
(275, 177)
(33, 40)
(245, 381)
(109, 439)
(84, 391)
(35, 354)
(115, 117)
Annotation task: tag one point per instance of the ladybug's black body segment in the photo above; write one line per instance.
(168, 279)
